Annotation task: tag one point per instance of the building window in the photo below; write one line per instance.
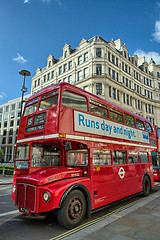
(65, 67)
(6, 109)
(48, 76)
(79, 60)
(110, 95)
(65, 54)
(109, 56)
(114, 93)
(99, 88)
(118, 95)
(98, 52)
(60, 70)
(79, 75)
(99, 69)
(85, 72)
(5, 124)
(86, 57)
(113, 74)
(44, 78)
(1, 110)
(113, 59)
(70, 79)
(70, 65)
(13, 107)
(52, 74)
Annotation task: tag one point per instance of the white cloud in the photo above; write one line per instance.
(19, 59)
(2, 95)
(26, 1)
(56, 1)
(148, 55)
(156, 34)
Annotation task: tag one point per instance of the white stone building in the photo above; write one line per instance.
(106, 69)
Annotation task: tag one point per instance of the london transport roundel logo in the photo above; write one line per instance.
(121, 172)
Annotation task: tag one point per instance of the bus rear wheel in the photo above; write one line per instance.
(146, 186)
(73, 210)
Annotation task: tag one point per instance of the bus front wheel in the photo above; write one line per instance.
(146, 186)
(72, 213)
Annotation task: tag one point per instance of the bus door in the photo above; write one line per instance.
(121, 174)
(102, 178)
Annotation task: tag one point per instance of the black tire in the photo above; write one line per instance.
(73, 211)
(146, 186)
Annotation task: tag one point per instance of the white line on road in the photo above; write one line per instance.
(8, 213)
(5, 195)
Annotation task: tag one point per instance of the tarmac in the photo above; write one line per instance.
(6, 180)
(140, 221)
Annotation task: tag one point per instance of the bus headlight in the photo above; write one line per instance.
(46, 196)
(14, 189)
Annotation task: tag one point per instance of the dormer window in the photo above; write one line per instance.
(66, 54)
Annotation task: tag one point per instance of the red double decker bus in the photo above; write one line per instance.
(156, 155)
(77, 152)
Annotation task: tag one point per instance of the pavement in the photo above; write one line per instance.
(6, 180)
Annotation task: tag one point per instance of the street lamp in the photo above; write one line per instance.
(23, 89)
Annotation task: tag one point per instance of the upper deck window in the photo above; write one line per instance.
(148, 127)
(116, 115)
(98, 109)
(31, 107)
(129, 120)
(49, 100)
(74, 101)
(139, 124)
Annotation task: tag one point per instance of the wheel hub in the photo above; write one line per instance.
(75, 208)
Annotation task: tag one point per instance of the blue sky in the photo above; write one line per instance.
(30, 30)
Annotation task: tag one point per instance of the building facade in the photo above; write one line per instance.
(10, 114)
(106, 69)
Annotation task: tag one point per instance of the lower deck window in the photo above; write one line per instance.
(143, 157)
(46, 155)
(101, 157)
(133, 157)
(119, 157)
(77, 158)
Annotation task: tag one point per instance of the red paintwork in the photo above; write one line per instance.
(103, 182)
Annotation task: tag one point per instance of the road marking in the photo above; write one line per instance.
(8, 213)
(114, 215)
(5, 195)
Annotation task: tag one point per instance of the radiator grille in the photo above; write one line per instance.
(26, 196)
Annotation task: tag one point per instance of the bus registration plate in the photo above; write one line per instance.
(24, 210)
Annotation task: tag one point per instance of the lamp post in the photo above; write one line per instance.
(23, 89)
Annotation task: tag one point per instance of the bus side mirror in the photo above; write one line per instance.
(68, 146)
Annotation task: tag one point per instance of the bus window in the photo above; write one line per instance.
(46, 155)
(31, 107)
(155, 159)
(143, 157)
(101, 157)
(116, 115)
(139, 124)
(77, 158)
(74, 101)
(49, 102)
(158, 131)
(129, 120)
(133, 157)
(97, 110)
(148, 127)
(119, 157)
(22, 152)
